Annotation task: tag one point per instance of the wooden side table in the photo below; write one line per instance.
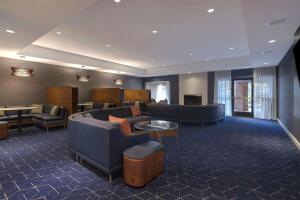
(3, 129)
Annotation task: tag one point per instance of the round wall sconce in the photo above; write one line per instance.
(118, 82)
(82, 78)
(21, 72)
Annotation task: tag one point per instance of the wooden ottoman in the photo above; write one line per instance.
(141, 163)
(3, 129)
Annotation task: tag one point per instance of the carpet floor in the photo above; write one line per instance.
(239, 158)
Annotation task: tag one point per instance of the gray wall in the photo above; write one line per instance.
(20, 90)
(174, 85)
(289, 94)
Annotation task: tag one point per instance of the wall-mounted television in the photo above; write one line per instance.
(296, 51)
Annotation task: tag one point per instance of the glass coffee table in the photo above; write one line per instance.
(158, 128)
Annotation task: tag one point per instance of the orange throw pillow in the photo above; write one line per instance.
(135, 111)
(124, 124)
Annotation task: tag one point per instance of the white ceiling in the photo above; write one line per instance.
(183, 27)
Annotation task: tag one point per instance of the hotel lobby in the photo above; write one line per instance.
(156, 100)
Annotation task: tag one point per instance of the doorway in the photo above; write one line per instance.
(242, 101)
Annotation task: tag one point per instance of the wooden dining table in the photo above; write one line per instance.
(19, 110)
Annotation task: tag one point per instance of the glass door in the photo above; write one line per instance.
(242, 104)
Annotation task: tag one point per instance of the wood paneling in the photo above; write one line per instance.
(64, 96)
(137, 173)
(3, 130)
(107, 95)
(137, 95)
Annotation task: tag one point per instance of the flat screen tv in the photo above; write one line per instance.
(296, 51)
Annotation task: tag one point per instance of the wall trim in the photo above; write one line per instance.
(294, 140)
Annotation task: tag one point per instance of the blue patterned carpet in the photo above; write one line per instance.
(237, 159)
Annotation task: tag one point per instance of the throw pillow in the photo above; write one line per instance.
(124, 124)
(135, 111)
(2, 113)
(137, 103)
(37, 110)
(54, 111)
(106, 105)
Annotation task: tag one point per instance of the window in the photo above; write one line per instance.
(222, 93)
(160, 90)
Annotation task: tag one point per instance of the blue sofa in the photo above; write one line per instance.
(99, 142)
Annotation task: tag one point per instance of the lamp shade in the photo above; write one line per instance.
(22, 72)
(83, 78)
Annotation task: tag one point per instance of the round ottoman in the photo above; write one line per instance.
(143, 162)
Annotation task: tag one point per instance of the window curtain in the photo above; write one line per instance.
(222, 90)
(265, 93)
(159, 90)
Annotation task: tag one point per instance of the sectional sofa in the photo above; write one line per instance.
(99, 142)
(188, 114)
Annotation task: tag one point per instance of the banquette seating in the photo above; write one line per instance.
(41, 117)
(189, 114)
(99, 142)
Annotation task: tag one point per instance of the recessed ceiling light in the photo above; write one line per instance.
(231, 48)
(153, 60)
(191, 54)
(58, 33)
(266, 63)
(189, 72)
(117, 1)
(107, 45)
(272, 41)
(211, 10)
(10, 31)
(154, 31)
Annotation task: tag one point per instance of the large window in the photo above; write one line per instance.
(160, 91)
(222, 93)
(265, 102)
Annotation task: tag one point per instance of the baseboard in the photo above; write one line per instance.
(295, 141)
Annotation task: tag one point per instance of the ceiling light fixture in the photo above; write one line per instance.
(153, 60)
(189, 72)
(211, 10)
(107, 45)
(191, 54)
(117, 1)
(231, 48)
(154, 31)
(272, 41)
(266, 63)
(10, 31)
(58, 33)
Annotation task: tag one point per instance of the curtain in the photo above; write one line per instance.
(222, 90)
(159, 90)
(265, 93)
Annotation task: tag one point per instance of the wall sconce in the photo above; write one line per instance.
(22, 72)
(83, 78)
(118, 82)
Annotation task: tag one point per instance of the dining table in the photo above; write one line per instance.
(19, 110)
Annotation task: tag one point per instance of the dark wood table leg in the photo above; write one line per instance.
(19, 121)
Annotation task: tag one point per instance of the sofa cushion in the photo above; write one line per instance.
(124, 124)
(141, 151)
(54, 111)
(4, 118)
(46, 117)
(135, 111)
(37, 110)
(134, 120)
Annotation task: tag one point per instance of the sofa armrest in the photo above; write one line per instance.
(145, 113)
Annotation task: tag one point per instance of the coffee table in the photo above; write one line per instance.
(159, 128)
